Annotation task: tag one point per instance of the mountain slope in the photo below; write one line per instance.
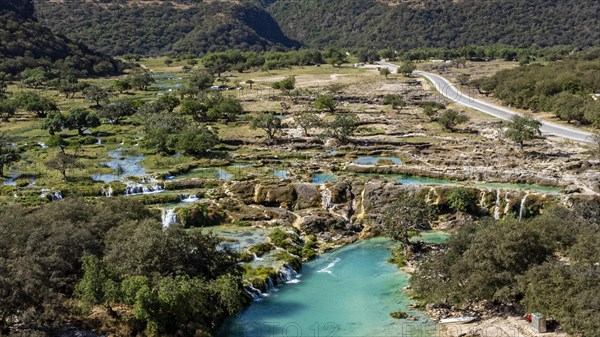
(156, 27)
(407, 24)
(25, 43)
(153, 27)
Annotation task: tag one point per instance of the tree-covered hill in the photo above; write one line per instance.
(438, 23)
(154, 27)
(25, 43)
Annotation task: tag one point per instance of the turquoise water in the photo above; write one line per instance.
(369, 160)
(281, 174)
(432, 237)
(322, 178)
(129, 165)
(417, 180)
(348, 292)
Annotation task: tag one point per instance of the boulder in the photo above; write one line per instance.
(307, 196)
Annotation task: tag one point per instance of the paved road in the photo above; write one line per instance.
(448, 90)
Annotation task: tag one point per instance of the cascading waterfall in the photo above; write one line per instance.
(287, 274)
(190, 198)
(255, 293)
(107, 192)
(256, 258)
(497, 206)
(523, 206)
(52, 196)
(143, 188)
(168, 217)
(326, 199)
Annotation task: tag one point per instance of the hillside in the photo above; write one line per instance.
(25, 43)
(157, 27)
(438, 23)
(153, 27)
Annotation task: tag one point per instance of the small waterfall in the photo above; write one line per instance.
(107, 192)
(168, 217)
(99, 142)
(270, 286)
(326, 199)
(256, 294)
(287, 274)
(43, 145)
(497, 206)
(256, 258)
(142, 188)
(523, 206)
(190, 198)
(52, 196)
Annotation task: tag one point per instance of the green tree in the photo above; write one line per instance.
(90, 289)
(95, 94)
(200, 81)
(463, 200)
(268, 122)
(34, 77)
(121, 86)
(141, 80)
(385, 72)
(194, 108)
(569, 107)
(228, 107)
(35, 103)
(62, 162)
(116, 111)
(8, 155)
(325, 102)
(250, 83)
(168, 62)
(196, 141)
(81, 120)
(406, 214)
(522, 129)
(407, 68)
(342, 127)
(286, 85)
(395, 101)
(307, 121)
(450, 119)
(169, 102)
(160, 131)
(54, 122)
(8, 108)
(591, 112)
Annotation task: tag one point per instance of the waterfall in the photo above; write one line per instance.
(256, 294)
(107, 192)
(43, 145)
(287, 274)
(168, 217)
(52, 196)
(326, 199)
(522, 206)
(142, 188)
(190, 198)
(99, 142)
(497, 206)
(270, 286)
(256, 258)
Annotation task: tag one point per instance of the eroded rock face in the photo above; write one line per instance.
(307, 195)
(353, 207)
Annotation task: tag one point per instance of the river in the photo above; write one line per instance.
(348, 292)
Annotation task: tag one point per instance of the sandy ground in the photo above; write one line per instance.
(495, 327)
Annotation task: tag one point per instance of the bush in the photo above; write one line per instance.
(463, 200)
